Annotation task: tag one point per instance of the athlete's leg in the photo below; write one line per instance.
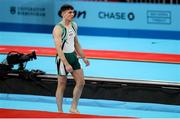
(79, 79)
(62, 80)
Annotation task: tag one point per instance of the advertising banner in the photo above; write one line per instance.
(127, 16)
(27, 11)
(93, 18)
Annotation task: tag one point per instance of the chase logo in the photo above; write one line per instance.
(117, 15)
(13, 10)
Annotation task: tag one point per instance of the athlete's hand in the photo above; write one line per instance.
(86, 61)
(69, 68)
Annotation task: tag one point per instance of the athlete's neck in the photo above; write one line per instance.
(67, 23)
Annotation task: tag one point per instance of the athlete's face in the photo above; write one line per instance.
(68, 15)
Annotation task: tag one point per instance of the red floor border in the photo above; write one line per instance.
(14, 113)
(100, 54)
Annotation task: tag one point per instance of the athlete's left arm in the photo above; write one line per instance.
(79, 50)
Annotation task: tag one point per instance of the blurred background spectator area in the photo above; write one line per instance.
(140, 1)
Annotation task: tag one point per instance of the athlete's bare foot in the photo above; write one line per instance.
(60, 111)
(74, 111)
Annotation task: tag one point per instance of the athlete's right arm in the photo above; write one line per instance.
(57, 39)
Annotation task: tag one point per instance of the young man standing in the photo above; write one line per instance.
(67, 46)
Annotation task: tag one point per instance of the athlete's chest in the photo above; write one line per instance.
(70, 33)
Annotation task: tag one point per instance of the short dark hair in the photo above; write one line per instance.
(64, 8)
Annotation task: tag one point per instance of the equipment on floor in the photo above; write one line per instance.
(20, 59)
(14, 58)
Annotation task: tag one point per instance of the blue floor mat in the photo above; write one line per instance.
(91, 106)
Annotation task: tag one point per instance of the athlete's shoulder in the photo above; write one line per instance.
(74, 24)
(60, 24)
(57, 28)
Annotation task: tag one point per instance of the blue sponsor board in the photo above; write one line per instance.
(93, 18)
(27, 11)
